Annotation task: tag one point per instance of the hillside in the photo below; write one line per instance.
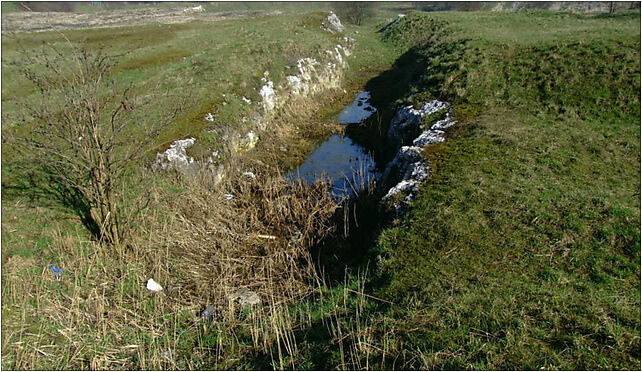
(521, 250)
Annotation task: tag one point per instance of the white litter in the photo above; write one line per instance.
(229, 196)
(249, 174)
(152, 286)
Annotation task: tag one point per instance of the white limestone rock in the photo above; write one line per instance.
(445, 123)
(269, 97)
(406, 123)
(332, 24)
(295, 84)
(409, 169)
(175, 156)
(429, 137)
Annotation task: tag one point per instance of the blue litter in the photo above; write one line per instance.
(57, 272)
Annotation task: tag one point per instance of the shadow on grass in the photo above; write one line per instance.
(40, 184)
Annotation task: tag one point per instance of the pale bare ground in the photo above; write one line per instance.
(48, 21)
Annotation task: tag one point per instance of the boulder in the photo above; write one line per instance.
(332, 24)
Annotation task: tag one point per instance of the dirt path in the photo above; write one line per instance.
(43, 21)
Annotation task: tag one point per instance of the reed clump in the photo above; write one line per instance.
(253, 230)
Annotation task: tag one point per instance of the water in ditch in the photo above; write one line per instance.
(349, 166)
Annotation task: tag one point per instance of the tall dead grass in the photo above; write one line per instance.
(252, 231)
(202, 246)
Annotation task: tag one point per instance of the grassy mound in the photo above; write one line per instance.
(523, 251)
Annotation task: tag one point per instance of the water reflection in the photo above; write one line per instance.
(357, 111)
(346, 164)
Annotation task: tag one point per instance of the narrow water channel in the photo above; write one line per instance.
(349, 166)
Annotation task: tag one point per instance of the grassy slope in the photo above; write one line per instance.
(194, 59)
(523, 251)
(92, 318)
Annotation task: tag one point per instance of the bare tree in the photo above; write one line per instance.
(87, 131)
(354, 12)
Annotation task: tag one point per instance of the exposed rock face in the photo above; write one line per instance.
(303, 82)
(313, 76)
(269, 96)
(407, 122)
(409, 168)
(175, 156)
(332, 24)
(429, 137)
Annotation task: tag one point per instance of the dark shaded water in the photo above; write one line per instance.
(357, 111)
(348, 165)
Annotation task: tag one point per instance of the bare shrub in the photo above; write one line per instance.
(86, 132)
(354, 12)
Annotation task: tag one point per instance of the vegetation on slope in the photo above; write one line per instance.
(190, 235)
(523, 251)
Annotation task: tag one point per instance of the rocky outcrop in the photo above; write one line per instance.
(175, 157)
(268, 96)
(314, 75)
(406, 124)
(332, 24)
(403, 175)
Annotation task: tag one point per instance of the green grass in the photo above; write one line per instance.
(523, 250)
(197, 59)
(100, 316)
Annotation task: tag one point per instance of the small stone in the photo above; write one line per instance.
(167, 355)
(244, 297)
(152, 286)
(208, 312)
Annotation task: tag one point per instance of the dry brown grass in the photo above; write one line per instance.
(200, 247)
(259, 239)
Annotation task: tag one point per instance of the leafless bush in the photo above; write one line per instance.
(87, 132)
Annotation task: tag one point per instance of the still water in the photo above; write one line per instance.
(347, 165)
